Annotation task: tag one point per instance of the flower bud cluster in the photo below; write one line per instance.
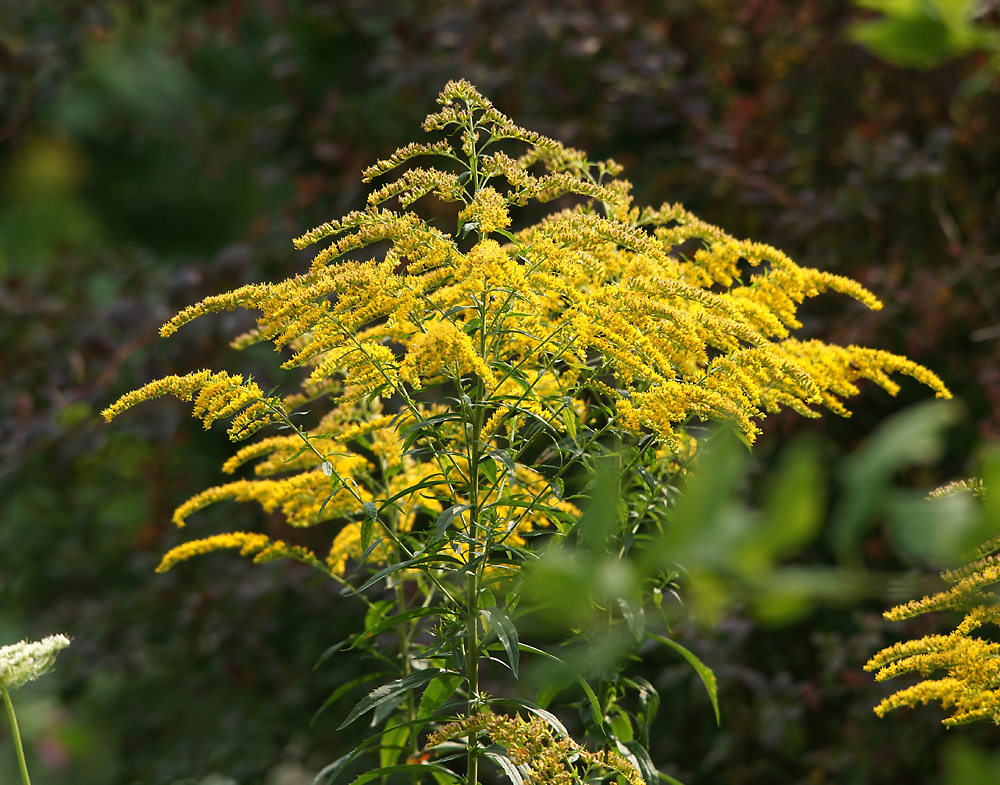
(23, 662)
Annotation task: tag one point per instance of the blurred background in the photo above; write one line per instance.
(153, 153)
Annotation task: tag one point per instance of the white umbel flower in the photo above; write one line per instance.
(22, 662)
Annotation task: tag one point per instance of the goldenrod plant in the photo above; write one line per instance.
(965, 666)
(456, 388)
(20, 663)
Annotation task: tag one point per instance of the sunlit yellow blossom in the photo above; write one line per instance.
(248, 543)
(547, 756)
(971, 665)
(439, 373)
(301, 497)
(261, 547)
(444, 349)
(488, 209)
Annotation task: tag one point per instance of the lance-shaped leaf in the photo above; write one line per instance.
(389, 691)
(506, 632)
(446, 517)
(705, 673)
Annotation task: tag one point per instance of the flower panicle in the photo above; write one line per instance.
(414, 184)
(305, 498)
(971, 485)
(404, 154)
(216, 395)
(23, 662)
(246, 296)
(546, 755)
(261, 547)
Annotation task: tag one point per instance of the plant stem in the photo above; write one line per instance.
(472, 580)
(472, 668)
(17, 735)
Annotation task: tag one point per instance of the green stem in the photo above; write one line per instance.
(472, 580)
(17, 735)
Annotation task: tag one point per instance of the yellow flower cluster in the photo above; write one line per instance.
(541, 754)
(305, 498)
(488, 210)
(591, 310)
(261, 547)
(443, 351)
(217, 396)
(971, 686)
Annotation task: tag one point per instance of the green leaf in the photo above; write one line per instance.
(489, 470)
(506, 632)
(399, 618)
(621, 727)
(330, 652)
(393, 743)
(498, 756)
(919, 42)
(569, 420)
(435, 480)
(445, 519)
(635, 617)
(595, 705)
(704, 672)
(367, 529)
(915, 436)
(966, 764)
(415, 431)
(403, 565)
(334, 487)
(638, 755)
(486, 599)
(504, 457)
(414, 768)
(649, 705)
(438, 690)
(794, 505)
(343, 688)
(647, 478)
(371, 547)
(389, 691)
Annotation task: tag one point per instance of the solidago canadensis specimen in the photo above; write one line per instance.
(970, 684)
(454, 378)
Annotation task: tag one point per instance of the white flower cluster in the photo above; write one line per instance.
(22, 662)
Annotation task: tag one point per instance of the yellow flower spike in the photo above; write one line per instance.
(600, 316)
(488, 209)
(183, 387)
(248, 544)
(971, 665)
(533, 745)
(443, 348)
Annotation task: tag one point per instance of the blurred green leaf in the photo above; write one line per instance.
(912, 437)
(922, 33)
(966, 764)
(706, 674)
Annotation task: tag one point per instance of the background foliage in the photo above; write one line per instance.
(154, 153)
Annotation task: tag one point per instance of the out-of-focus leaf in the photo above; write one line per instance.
(913, 437)
(706, 674)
